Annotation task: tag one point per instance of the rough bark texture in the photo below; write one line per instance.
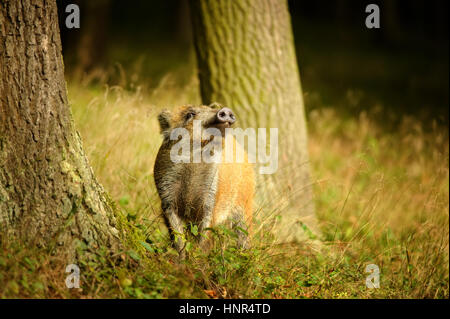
(48, 192)
(246, 60)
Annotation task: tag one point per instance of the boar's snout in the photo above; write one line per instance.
(225, 115)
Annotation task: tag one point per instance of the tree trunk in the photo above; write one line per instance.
(92, 44)
(246, 60)
(48, 192)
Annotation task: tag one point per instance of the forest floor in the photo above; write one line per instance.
(381, 195)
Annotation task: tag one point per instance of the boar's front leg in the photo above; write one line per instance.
(176, 228)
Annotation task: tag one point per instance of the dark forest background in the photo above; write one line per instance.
(401, 68)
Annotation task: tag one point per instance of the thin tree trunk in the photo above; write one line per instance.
(91, 49)
(48, 192)
(246, 60)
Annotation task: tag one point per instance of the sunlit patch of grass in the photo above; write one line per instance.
(385, 201)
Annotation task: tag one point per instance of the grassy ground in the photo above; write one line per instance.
(381, 196)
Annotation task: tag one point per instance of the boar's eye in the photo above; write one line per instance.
(215, 105)
(189, 115)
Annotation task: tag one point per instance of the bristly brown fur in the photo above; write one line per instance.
(206, 194)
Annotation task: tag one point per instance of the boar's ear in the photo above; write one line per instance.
(164, 120)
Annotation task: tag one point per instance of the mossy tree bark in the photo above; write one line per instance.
(48, 193)
(246, 60)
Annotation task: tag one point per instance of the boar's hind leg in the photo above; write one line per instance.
(240, 228)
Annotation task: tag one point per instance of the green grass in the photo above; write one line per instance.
(381, 198)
